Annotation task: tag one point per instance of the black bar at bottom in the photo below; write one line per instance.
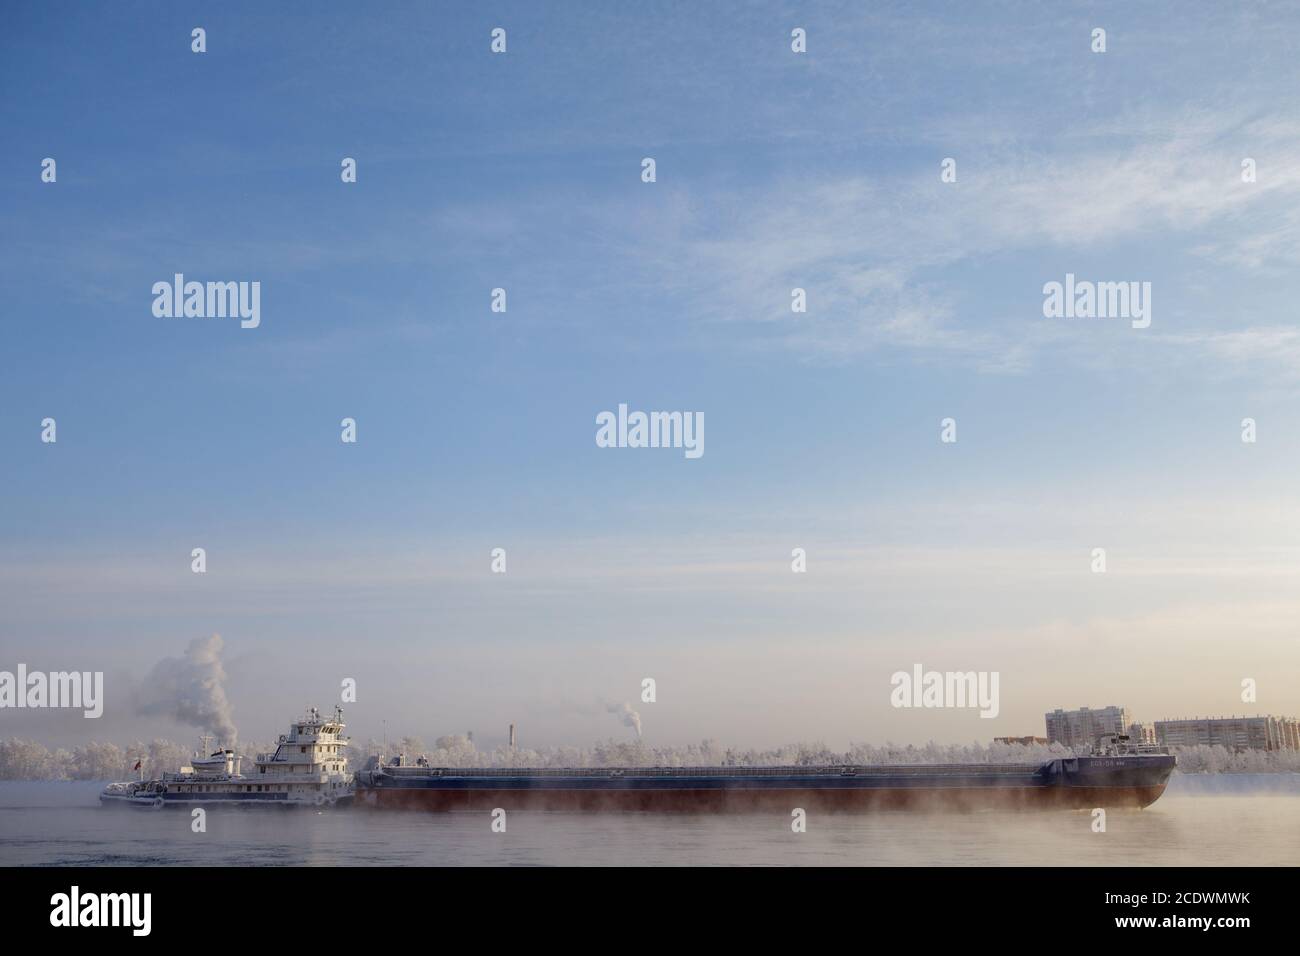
(345, 905)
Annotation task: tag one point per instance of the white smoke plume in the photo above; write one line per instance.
(190, 689)
(625, 713)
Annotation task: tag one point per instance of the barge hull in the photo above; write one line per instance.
(1065, 784)
(781, 801)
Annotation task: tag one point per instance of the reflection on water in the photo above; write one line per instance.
(1205, 821)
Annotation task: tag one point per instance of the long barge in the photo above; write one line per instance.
(1065, 783)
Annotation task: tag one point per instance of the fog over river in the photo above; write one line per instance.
(1202, 820)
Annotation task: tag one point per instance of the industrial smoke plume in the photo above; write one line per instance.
(629, 716)
(190, 689)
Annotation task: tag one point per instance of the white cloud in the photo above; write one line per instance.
(875, 253)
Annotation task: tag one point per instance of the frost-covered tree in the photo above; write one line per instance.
(97, 761)
(24, 760)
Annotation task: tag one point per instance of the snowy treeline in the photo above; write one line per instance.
(1217, 759)
(27, 760)
(460, 751)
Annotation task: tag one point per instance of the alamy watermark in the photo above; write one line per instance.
(1075, 299)
(651, 430)
(211, 300)
(75, 908)
(922, 688)
(83, 690)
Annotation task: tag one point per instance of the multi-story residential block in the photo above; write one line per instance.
(1084, 727)
(1234, 733)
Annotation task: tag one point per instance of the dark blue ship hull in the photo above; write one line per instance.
(1069, 783)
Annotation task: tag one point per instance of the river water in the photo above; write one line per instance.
(1213, 820)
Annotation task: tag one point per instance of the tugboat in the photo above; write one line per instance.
(307, 768)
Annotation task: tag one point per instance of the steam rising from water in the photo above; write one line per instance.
(190, 689)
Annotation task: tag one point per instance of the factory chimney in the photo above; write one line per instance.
(512, 736)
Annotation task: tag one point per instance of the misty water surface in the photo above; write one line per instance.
(1215, 820)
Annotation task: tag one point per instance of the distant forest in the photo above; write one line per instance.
(28, 760)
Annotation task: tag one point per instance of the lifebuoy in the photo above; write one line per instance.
(157, 803)
(320, 800)
(333, 798)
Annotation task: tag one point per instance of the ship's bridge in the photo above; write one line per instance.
(314, 745)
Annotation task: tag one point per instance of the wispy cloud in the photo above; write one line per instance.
(874, 252)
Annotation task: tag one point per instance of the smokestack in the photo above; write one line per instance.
(512, 736)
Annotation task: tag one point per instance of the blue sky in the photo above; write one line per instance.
(476, 429)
